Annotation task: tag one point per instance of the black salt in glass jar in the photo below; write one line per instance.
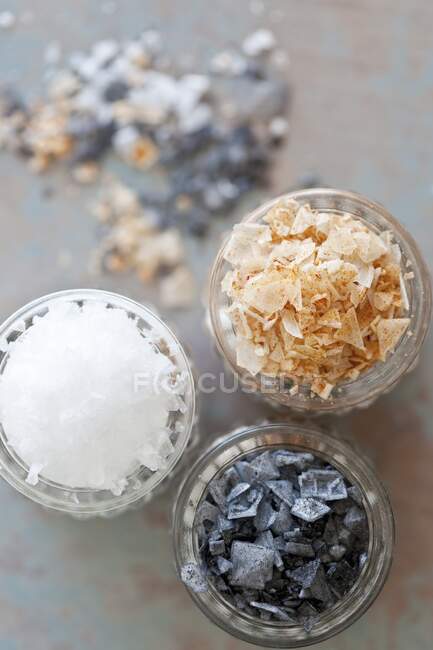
(283, 536)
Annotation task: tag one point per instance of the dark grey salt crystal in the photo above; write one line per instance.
(223, 565)
(355, 494)
(207, 512)
(245, 471)
(341, 577)
(306, 574)
(303, 550)
(239, 489)
(362, 559)
(266, 539)
(327, 485)
(337, 551)
(283, 521)
(330, 533)
(300, 460)
(252, 565)
(341, 506)
(283, 490)
(309, 509)
(214, 534)
(279, 613)
(264, 467)
(220, 584)
(345, 536)
(223, 524)
(295, 534)
(356, 521)
(319, 589)
(217, 547)
(116, 90)
(217, 489)
(194, 578)
(243, 507)
(265, 517)
(280, 543)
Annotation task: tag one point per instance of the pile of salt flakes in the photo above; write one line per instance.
(315, 297)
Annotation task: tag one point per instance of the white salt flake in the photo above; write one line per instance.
(7, 20)
(259, 42)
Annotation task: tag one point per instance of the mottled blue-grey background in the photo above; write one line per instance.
(362, 117)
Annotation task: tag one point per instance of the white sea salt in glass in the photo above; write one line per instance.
(96, 401)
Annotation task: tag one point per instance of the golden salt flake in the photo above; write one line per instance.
(409, 276)
(303, 220)
(331, 319)
(323, 223)
(387, 237)
(247, 246)
(332, 266)
(282, 216)
(294, 293)
(267, 297)
(403, 293)
(365, 273)
(322, 388)
(290, 323)
(341, 241)
(395, 254)
(369, 246)
(389, 333)
(247, 358)
(382, 300)
(349, 331)
(356, 294)
(277, 354)
(227, 282)
(269, 323)
(240, 321)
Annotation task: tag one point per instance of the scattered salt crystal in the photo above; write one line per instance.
(278, 127)
(259, 42)
(53, 53)
(70, 403)
(7, 20)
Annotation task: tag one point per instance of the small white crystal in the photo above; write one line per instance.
(259, 42)
(7, 20)
(70, 403)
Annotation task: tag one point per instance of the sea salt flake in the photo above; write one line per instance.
(290, 323)
(309, 509)
(389, 333)
(350, 331)
(194, 578)
(259, 42)
(303, 220)
(247, 358)
(267, 297)
(252, 565)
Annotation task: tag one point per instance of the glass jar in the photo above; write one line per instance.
(297, 437)
(383, 376)
(142, 484)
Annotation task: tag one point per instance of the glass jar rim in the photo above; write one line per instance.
(301, 437)
(382, 376)
(62, 497)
